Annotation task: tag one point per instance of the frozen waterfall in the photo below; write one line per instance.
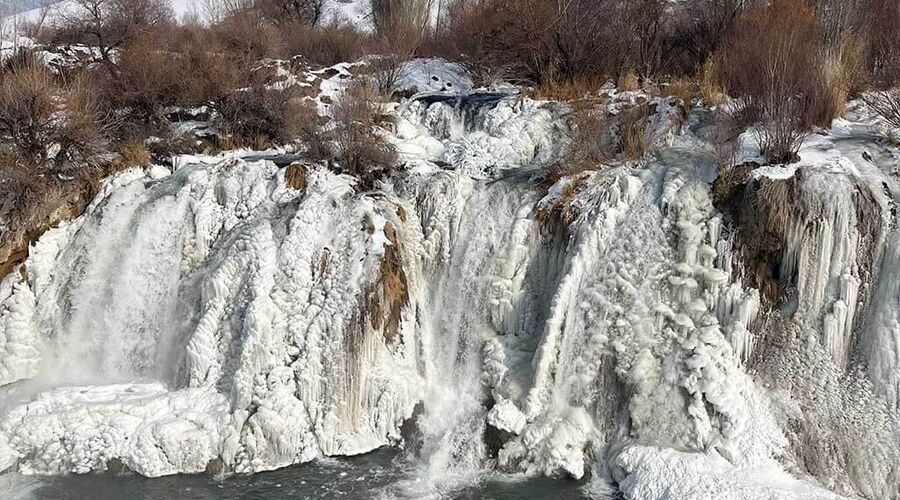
(214, 319)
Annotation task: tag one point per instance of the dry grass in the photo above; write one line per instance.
(133, 154)
(628, 82)
(844, 73)
(577, 89)
(712, 90)
(296, 176)
(633, 131)
(682, 88)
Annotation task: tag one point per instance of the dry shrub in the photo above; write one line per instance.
(882, 30)
(401, 22)
(543, 40)
(28, 111)
(322, 46)
(82, 133)
(305, 12)
(147, 80)
(360, 149)
(209, 75)
(696, 30)
(465, 35)
(109, 24)
(589, 144)
(633, 132)
(774, 60)
(258, 116)
(385, 71)
(133, 154)
(316, 142)
(886, 103)
(39, 115)
(246, 37)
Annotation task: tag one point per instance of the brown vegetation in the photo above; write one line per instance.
(358, 147)
(773, 59)
(887, 104)
(296, 176)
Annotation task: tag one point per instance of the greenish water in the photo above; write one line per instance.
(383, 474)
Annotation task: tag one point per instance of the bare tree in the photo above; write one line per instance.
(217, 10)
(304, 11)
(106, 25)
(402, 20)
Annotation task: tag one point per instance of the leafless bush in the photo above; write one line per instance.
(402, 20)
(466, 34)
(696, 31)
(886, 103)
(358, 146)
(882, 30)
(82, 133)
(107, 25)
(315, 140)
(28, 111)
(308, 12)
(259, 115)
(45, 123)
(386, 70)
(781, 132)
(147, 80)
(774, 59)
(322, 45)
(551, 40)
(589, 144)
(246, 37)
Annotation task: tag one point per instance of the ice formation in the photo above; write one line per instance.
(216, 319)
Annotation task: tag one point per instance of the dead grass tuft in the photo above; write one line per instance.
(296, 176)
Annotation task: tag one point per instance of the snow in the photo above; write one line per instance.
(665, 474)
(434, 75)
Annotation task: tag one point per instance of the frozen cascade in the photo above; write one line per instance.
(469, 303)
(245, 299)
(216, 319)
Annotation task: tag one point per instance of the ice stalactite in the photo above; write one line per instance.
(880, 342)
(830, 251)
